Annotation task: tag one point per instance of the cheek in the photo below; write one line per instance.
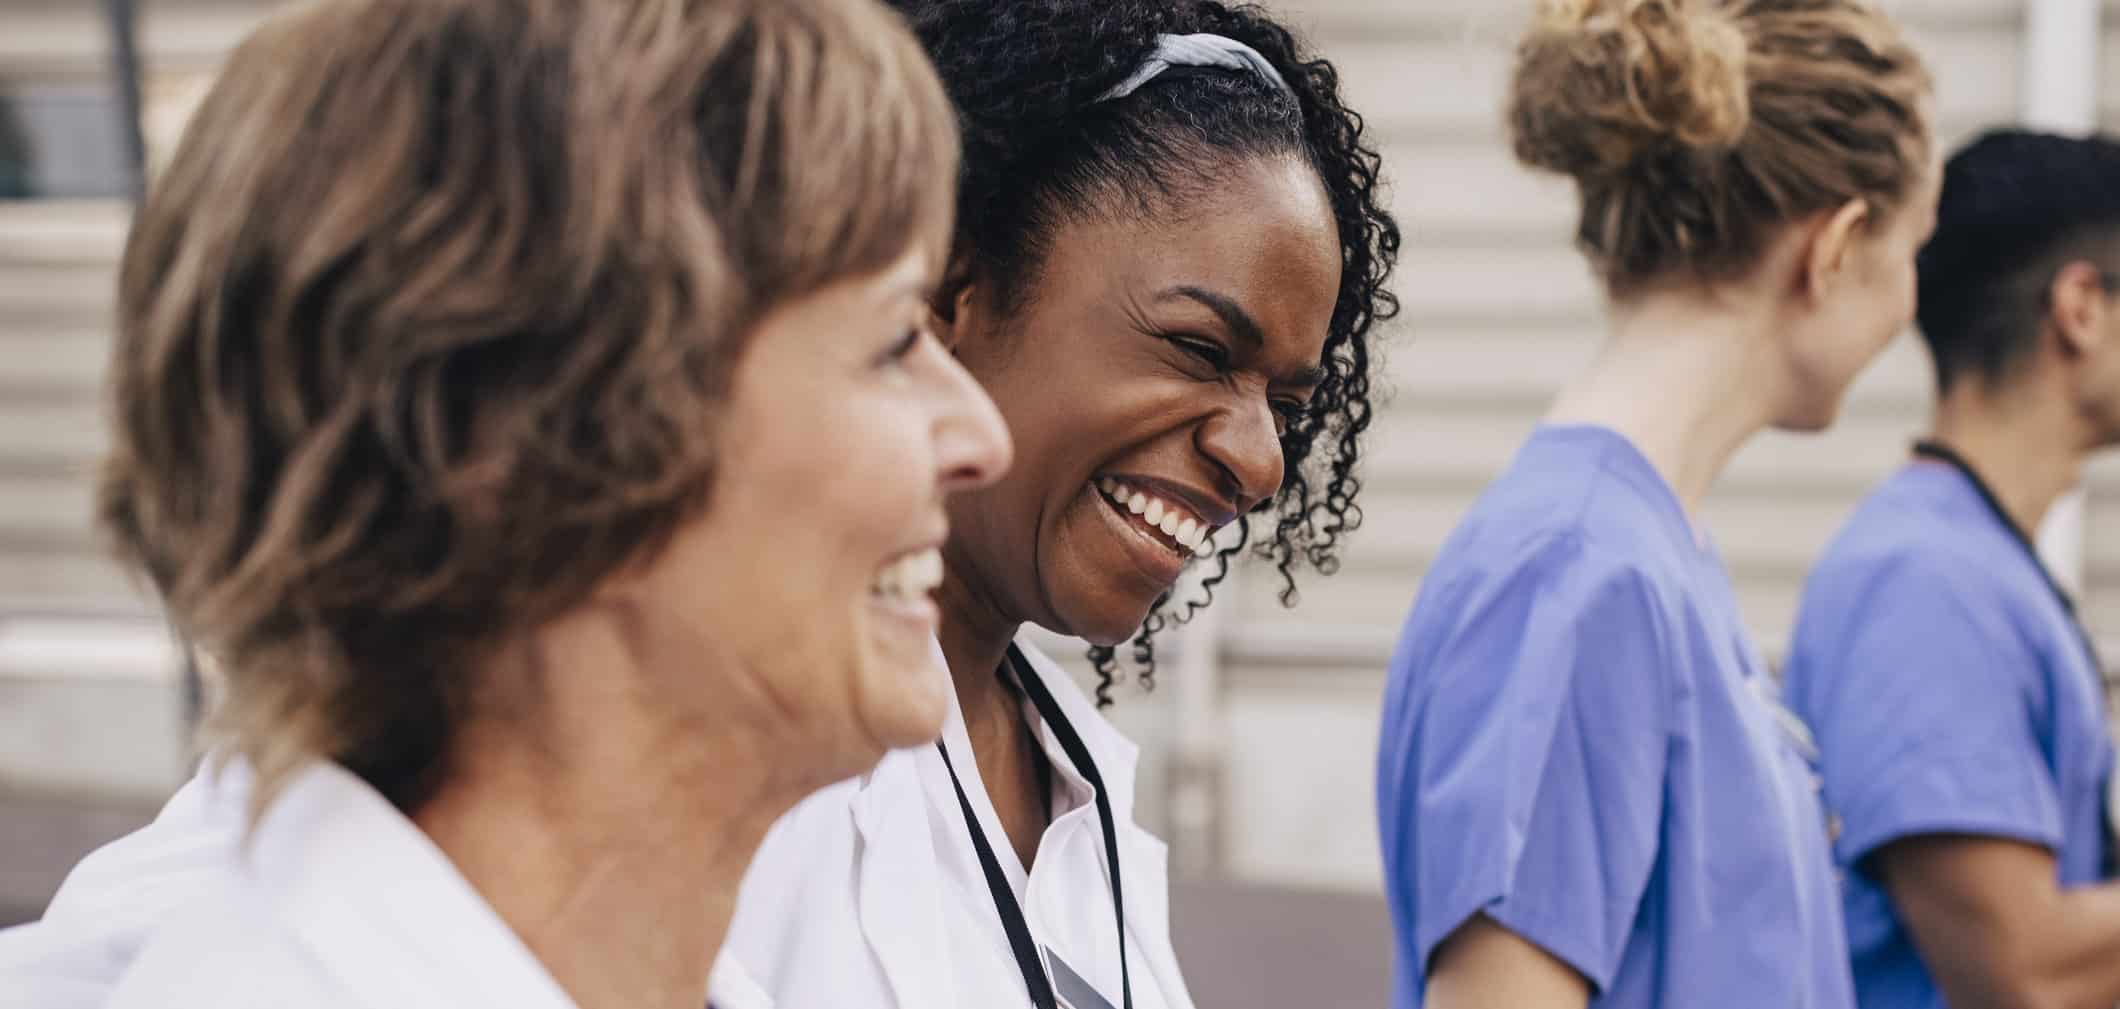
(1063, 427)
(1045, 404)
(813, 506)
(867, 486)
(794, 577)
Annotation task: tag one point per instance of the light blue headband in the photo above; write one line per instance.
(1203, 50)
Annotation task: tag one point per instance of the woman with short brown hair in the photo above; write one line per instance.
(529, 407)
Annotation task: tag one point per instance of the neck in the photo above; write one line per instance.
(1680, 379)
(611, 837)
(2028, 446)
(975, 633)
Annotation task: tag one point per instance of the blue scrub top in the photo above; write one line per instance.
(1950, 694)
(1578, 743)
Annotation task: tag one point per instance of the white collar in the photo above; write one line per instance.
(895, 901)
(1118, 758)
(372, 898)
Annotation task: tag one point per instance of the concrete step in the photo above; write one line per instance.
(1500, 366)
(1432, 81)
(70, 39)
(45, 297)
(47, 433)
(81, 232)
(1463, 446)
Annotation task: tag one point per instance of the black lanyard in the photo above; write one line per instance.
(1932, 449)
(1035, 979)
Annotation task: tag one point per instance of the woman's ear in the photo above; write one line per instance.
(952, 303)
(1832, 246)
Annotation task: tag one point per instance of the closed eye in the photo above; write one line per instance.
(907, 342)
(901, 348)
(1214, 354)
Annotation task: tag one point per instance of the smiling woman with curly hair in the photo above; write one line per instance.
(1060, 174)
(1168, 266)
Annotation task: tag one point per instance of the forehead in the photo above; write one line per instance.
(1263, 234)
(811, 333)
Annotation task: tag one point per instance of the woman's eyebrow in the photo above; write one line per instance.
(1242, 327)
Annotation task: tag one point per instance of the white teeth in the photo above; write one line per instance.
(913, 575)
(1182, 528)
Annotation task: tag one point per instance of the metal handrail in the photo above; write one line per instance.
(125, 69)
(123, 17)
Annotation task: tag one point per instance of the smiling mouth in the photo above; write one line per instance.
(909, 578)
(1172, 525)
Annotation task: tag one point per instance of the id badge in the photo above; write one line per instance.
(1797, 736)
(1070, 988)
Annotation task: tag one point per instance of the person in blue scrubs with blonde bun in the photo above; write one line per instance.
(1958, 704)
(1588, 793)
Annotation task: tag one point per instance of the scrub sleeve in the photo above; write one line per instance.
(1938, 734)
(1533, 788)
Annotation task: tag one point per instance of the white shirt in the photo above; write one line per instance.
(337, 901)
(868, 893)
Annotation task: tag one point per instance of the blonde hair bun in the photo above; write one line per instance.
(1600, 85)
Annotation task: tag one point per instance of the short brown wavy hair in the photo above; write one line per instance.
(1695, 128)
(425, 331)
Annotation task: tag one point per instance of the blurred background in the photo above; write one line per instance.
(1259, 735)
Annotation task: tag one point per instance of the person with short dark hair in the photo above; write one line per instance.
(1958, 703)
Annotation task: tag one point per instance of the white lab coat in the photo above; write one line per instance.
(337, 901)
(868, 893)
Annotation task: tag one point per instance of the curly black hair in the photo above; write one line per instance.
(1039, 146)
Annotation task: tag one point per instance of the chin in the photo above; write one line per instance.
(1107, 623)
(908, 707)
(1812, 417)
(1805, 424)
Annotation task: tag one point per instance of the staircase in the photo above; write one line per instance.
(92, 730)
